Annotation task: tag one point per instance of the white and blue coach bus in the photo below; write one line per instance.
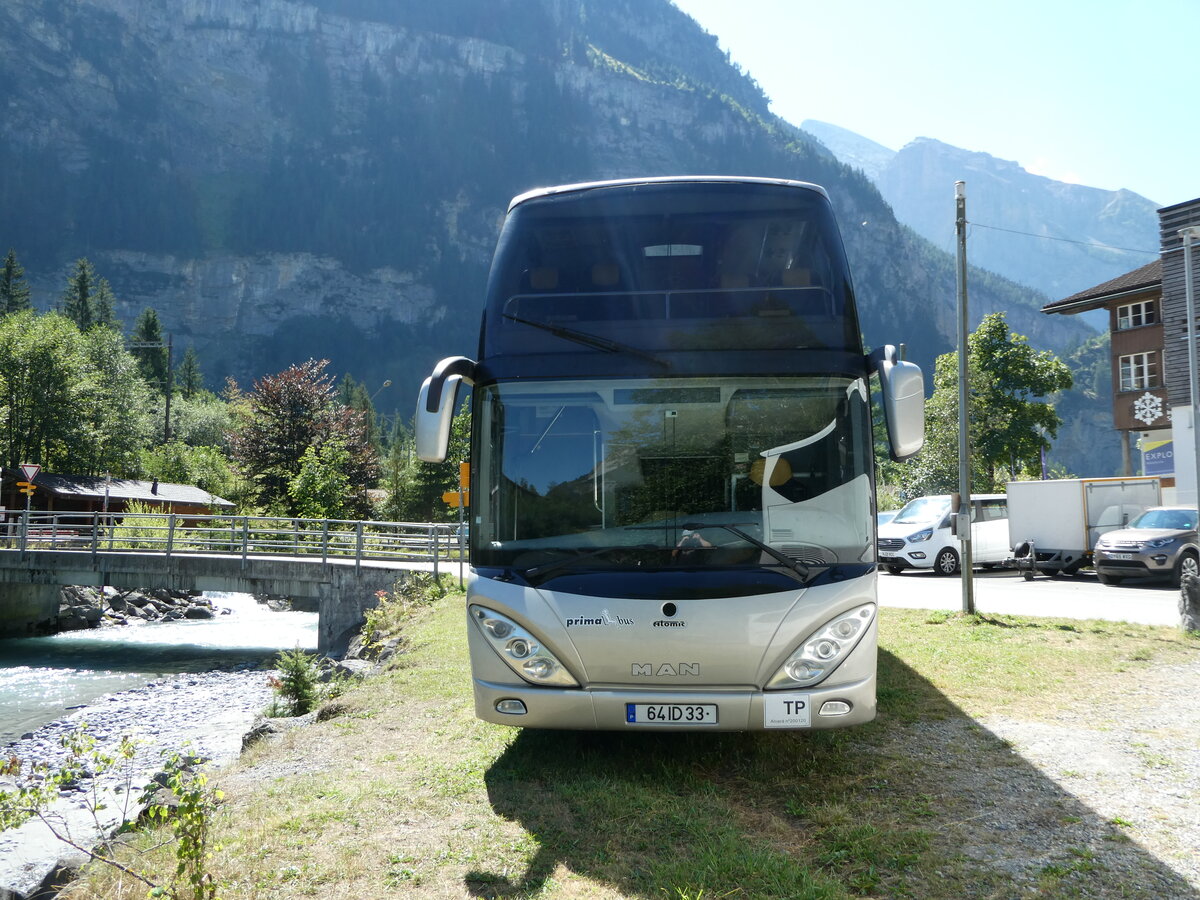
(672, 479)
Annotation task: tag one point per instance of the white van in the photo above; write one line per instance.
(919, 536)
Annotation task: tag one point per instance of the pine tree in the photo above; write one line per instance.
(188, 376)
(77, 299)
(14, 292)
(104, 305)
(150, 349)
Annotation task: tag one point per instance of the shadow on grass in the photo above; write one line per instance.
(923, 803)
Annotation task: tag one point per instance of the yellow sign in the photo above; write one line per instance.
(464, 475)
(452, 498)
(28, 489)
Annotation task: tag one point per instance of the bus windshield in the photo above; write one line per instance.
(680, 472)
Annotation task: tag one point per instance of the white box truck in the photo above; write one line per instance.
(1054, 525)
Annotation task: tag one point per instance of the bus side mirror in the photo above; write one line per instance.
(436, 405)
(903, 389)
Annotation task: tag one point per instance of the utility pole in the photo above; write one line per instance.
(170, 384)
(1189, 234)
(963, 513)
(169, 381)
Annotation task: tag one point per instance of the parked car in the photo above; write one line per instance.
(919, 536)
(1160, 543)
(882, 518)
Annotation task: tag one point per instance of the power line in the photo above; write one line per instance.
(1046, 237)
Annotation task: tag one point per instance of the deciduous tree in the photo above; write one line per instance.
(1010, 423)
(73, 402)
(281, 418)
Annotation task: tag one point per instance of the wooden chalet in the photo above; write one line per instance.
(95, 493)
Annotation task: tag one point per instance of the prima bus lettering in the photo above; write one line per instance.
(605, 618)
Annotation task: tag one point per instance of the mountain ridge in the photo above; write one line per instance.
(1057, 237)
(283, 179)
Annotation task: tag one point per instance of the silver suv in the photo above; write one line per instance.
(1161, 542)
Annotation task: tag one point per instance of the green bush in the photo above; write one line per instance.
(298, 681)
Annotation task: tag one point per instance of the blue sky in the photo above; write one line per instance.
(1104, 93)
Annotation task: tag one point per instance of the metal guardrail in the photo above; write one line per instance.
(237, 536)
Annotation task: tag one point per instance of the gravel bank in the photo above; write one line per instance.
(206, 713)
(1098, 800)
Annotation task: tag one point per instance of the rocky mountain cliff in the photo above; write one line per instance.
(1074, 237)
(284, 179)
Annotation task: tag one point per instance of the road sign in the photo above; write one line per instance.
(28, 489)
(30, 470)
(452, 498)
(464, 475)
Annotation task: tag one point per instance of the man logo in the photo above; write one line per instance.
(665, 670)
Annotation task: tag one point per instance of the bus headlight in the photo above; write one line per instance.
(523, 653)
(821, 653)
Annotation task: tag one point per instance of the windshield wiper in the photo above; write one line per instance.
(796, 566)
(589, 340)
(547, 568)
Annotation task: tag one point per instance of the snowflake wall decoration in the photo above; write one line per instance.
(1147, 408)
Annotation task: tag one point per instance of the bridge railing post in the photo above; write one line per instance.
(245, 538)
(170, 534)
(433, 539)
(358, 546)
(95, 535)
(324, 541)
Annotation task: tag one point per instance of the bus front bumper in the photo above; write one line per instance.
(609, 709)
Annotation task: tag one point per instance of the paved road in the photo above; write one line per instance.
(999, 591)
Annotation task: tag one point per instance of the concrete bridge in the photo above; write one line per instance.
(335, 565)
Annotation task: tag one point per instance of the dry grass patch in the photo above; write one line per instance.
(400, 792)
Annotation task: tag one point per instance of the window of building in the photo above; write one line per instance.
(1135, 315)
(1139, 371)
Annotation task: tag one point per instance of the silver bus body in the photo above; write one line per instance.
(672, 481)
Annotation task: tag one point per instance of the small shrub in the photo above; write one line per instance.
(419, 590)
(298, 681)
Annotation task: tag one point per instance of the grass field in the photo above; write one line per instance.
(400, 792)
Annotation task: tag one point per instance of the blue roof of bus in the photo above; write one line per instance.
(668, 179)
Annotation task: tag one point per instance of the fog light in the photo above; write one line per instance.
(917, 555)
(799, 670)
(834, 708)
(511, 707)
(540, 668)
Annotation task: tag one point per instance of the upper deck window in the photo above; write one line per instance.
(677, 266)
